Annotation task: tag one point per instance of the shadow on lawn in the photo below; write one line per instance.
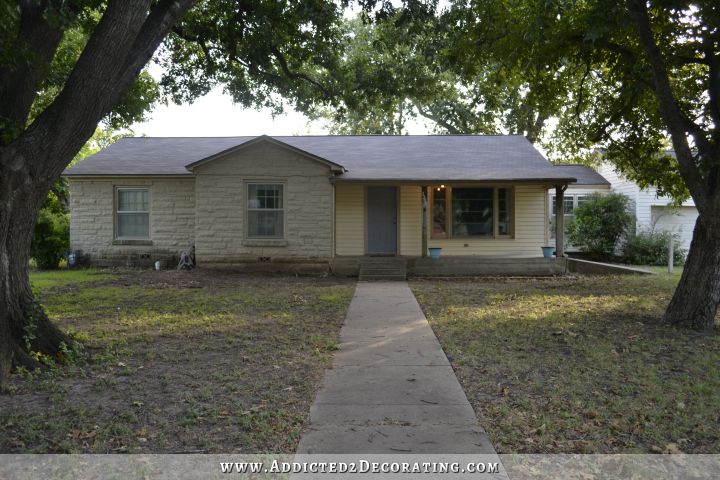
(229, 367)
(579, 365)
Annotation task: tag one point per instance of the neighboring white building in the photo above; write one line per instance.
(653, 211)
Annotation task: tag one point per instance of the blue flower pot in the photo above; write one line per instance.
(435, 252)
(548, 252)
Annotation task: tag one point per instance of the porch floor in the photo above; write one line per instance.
(355, 266)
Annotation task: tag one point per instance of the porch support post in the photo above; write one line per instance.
(424, 243)
(560, 220)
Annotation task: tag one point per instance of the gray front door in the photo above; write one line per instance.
(382, 220)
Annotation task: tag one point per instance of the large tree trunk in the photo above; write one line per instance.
(24, 327)
(121, 44)
(696, 299)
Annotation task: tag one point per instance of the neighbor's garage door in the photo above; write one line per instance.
(680, 220)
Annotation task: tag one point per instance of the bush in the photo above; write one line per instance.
(651, 248)
(599, 223)
(51, 239)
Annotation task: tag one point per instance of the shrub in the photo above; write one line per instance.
(651, 248)
(51, 239)
(599, 223)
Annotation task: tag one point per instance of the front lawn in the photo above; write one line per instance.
(579, 365)
(45, 279)
(177, 362)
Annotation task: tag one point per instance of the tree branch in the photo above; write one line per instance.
(297, 75)
(180, 32)
(122, 43)
(452, 129)
(37, 42)
(713, 62)
(677, 122)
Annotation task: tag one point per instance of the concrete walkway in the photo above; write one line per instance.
(391, 388)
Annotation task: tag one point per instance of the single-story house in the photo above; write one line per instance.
(304, 202)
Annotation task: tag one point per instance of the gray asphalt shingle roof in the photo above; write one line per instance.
(365, 157)
(585, 175)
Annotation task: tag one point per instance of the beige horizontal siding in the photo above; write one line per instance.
(349, 219)
(410, 220)
(530, 225)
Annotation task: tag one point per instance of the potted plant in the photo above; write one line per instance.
(435, 252)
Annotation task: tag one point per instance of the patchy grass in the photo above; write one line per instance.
(178, 362)
(579, 365)
(44, 279)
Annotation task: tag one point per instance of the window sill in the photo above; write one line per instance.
(128, 241)
(265, 242)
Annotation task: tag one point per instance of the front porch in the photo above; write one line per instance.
(495, 222)
(449, 266)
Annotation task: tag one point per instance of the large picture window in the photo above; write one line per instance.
(133, 213)
(471, 212)
(265, 210)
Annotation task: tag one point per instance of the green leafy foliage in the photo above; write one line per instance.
(266, 53)
(600, 222)
(650, 247)
(51, 238)
(409, 62)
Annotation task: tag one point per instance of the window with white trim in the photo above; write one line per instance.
(132, 215)
(265, 210)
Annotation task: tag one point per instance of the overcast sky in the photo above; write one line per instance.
(214, 115)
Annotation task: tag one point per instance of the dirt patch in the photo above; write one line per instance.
(196, 361)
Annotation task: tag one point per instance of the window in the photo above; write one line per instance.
(265, 211)
(133, 213)
(439, 209)
(570, 203)
(504, 200)
(472, 212)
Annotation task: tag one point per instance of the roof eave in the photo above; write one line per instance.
(127, 175)
(424, 181)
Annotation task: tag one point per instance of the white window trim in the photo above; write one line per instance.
(116, 211)
(575, 198)
(249, 239)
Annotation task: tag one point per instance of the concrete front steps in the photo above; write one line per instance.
(383, 269)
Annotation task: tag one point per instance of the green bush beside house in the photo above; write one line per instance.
(651, 248)
(600, 223)
(51, 238)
